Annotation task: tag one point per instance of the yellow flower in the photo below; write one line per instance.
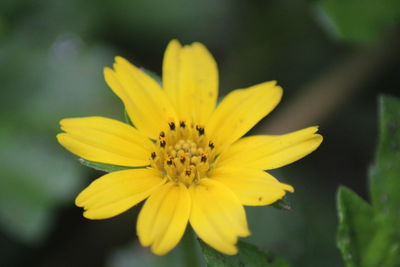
(196, 166)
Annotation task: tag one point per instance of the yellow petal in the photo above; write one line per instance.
(217, 215)
(268, 152)
(118, 191)
(105, 140)
(146, 103)
(252, 187)
(163, 218)
(171, 71)
(240, 110)
(190, 78)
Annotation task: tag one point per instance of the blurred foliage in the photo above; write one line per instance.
(368, 235)
(36, 175)
(51, 59)
(361, 21)
(43, 80)
(249, 255)
(135, 255)
(27, 205)
(292, 234)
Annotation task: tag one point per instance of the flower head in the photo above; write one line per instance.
(195, 166)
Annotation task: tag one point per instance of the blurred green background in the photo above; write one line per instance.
(331, 57)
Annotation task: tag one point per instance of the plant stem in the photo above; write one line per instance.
(189, 256)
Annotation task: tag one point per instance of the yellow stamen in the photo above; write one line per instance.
(185, 154)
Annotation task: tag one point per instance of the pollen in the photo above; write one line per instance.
(183, 153)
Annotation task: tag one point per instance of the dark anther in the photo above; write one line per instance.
(162, 134)
(153, 155)
(182, 124)
(169, 161)
(200, 129)
(162, 143)
(188, 172)
(211, 145)
(182, 159)
(171, 125)
(203, 158)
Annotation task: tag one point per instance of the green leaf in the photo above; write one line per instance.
(369, 235)
(106, 167)
(361, 21)
(249, 255)
(282, 204)
(354, 220)
(362, 238)
(385, 173)
(127, 119)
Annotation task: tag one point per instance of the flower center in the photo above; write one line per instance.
(184, 153)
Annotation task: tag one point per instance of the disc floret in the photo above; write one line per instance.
(183, 153)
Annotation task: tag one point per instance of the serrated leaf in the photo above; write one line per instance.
(360, 21)
(368, 235)
(106, 167)
(362, 238)
(385, 174)
(249, 255)
(354, 220)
